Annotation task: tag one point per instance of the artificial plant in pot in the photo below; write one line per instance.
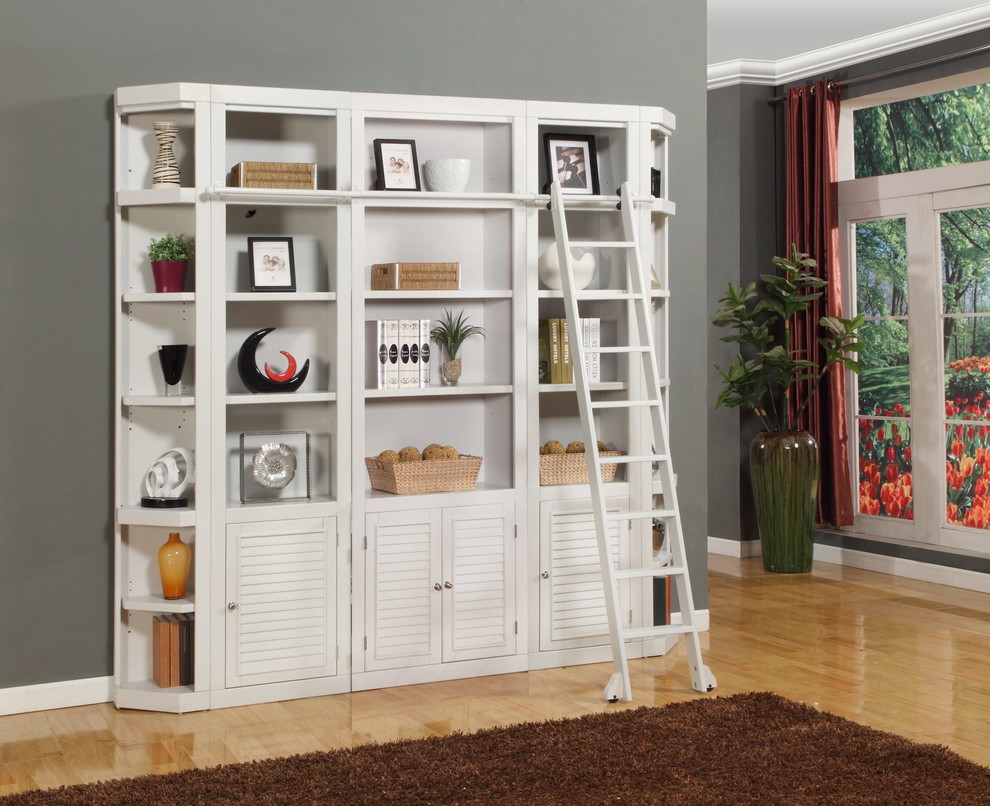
(784, 462)
(170, 256)
(451, 333)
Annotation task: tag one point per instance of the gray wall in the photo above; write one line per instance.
(742, 240)
(62, 60)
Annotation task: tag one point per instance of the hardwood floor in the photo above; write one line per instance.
(903, 656)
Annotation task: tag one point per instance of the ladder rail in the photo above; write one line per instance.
(639, 306)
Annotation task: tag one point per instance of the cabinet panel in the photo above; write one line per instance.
(479, 607)
(572, 603)
(403, 566)
(280, 594)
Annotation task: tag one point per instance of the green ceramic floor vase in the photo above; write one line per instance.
(784, 471)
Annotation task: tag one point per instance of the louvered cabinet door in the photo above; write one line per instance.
(403, 588)
(281, 577)
(572, 601)
(479, 582)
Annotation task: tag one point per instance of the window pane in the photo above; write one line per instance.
(948, 128)
(966, 476)
(966, 261)
(881, 296)
(885, 482)
(881, 268)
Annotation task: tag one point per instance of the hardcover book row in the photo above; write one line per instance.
(401, 353)
(172, 637)
(555, 350)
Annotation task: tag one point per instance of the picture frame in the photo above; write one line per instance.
(396, 164)
(275, 466)
(271, 262)
(573, 160)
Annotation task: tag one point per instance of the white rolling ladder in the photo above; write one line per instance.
(672, 562)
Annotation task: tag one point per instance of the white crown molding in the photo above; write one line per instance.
(855, 51)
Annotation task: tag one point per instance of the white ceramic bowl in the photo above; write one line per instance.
(447, 176)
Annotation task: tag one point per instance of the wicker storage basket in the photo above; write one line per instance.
(283, 175)
(571, 468)
(428, 476)
(415, 276)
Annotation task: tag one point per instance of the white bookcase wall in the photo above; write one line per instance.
(329, 553)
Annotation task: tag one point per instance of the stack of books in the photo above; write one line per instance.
(173, 649)
(400, 353)
(555, 350)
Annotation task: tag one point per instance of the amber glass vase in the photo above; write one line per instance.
(784, 471)
(174, 558)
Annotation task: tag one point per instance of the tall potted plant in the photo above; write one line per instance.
(170, 256)
(784, 462)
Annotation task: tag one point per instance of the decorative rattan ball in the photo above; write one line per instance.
(552, 446)
(410, 454)
(434, 452)
(388, 457)
(602, 446)
(450, 452)
(575, 447)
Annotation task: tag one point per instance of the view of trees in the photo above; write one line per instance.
(949, 128)
(934, 131)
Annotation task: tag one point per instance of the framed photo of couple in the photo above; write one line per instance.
(571, 160)
(396, 165)
(272, 265)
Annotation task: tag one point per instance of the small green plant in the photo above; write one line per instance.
(451, 333)
(170, 247)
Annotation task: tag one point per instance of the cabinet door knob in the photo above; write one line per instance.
(545, 575)
(448, 585)
(438, 587)
(231, 605)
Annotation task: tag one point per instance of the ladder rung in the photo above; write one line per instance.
(622, 404)
(604, 244)
(656, 632)
(632, 516)
(624, 349)
(627, 459)
(645, 573)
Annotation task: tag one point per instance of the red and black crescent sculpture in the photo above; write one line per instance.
(267, 381)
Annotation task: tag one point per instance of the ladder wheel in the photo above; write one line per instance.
(614, 689)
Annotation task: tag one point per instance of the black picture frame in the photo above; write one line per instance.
(572, 159)
(272, 265)
(396, 165)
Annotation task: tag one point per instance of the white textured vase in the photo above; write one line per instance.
(584, 264)
(447, 176)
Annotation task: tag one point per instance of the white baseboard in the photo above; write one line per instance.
(734, 548)
(64, 694)
(911, 569)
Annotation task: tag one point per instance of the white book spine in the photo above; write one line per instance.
(592, 338)
(408, 353)
(381, 352)
(392, 366)
(425, 352)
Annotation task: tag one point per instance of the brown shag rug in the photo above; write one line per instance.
(744, 749)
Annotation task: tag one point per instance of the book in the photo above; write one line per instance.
(591, 338)
(408, 353)
(425, 325)
(377, 354)
(543, 352)
(174, 652)
(556, 345)
(567, 369)
(392, 343)
(186, 624)
(160, 651)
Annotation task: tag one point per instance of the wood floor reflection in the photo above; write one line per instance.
(903, 656)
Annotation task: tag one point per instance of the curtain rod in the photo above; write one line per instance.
(894, 70)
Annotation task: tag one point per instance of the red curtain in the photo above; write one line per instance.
(812, 128)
